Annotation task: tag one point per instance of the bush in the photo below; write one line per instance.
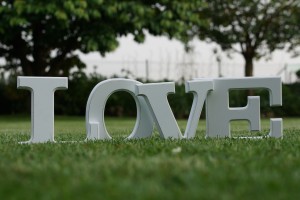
(73, 101)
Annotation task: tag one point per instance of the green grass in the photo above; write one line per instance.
(147, 168)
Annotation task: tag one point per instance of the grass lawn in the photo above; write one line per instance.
(147, 168)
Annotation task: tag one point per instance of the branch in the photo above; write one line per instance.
(267, 20)
(236, 50)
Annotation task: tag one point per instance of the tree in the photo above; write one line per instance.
(253, 28)
(40, 37)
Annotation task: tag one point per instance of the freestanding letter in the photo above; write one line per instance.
(219, 114)
(42, 105)
(95, 107)
(155, 95)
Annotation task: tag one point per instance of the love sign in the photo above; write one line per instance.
(153, 106)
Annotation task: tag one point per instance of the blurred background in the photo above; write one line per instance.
(167, 59)
(150, 41)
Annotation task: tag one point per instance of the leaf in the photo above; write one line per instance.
(61, 15)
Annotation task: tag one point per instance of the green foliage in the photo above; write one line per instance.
(298, 74)
(73, 101)
(147, 168)
(41, 37)
(253, 28)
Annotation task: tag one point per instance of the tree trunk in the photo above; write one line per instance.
(248, 66)
(249, 71)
